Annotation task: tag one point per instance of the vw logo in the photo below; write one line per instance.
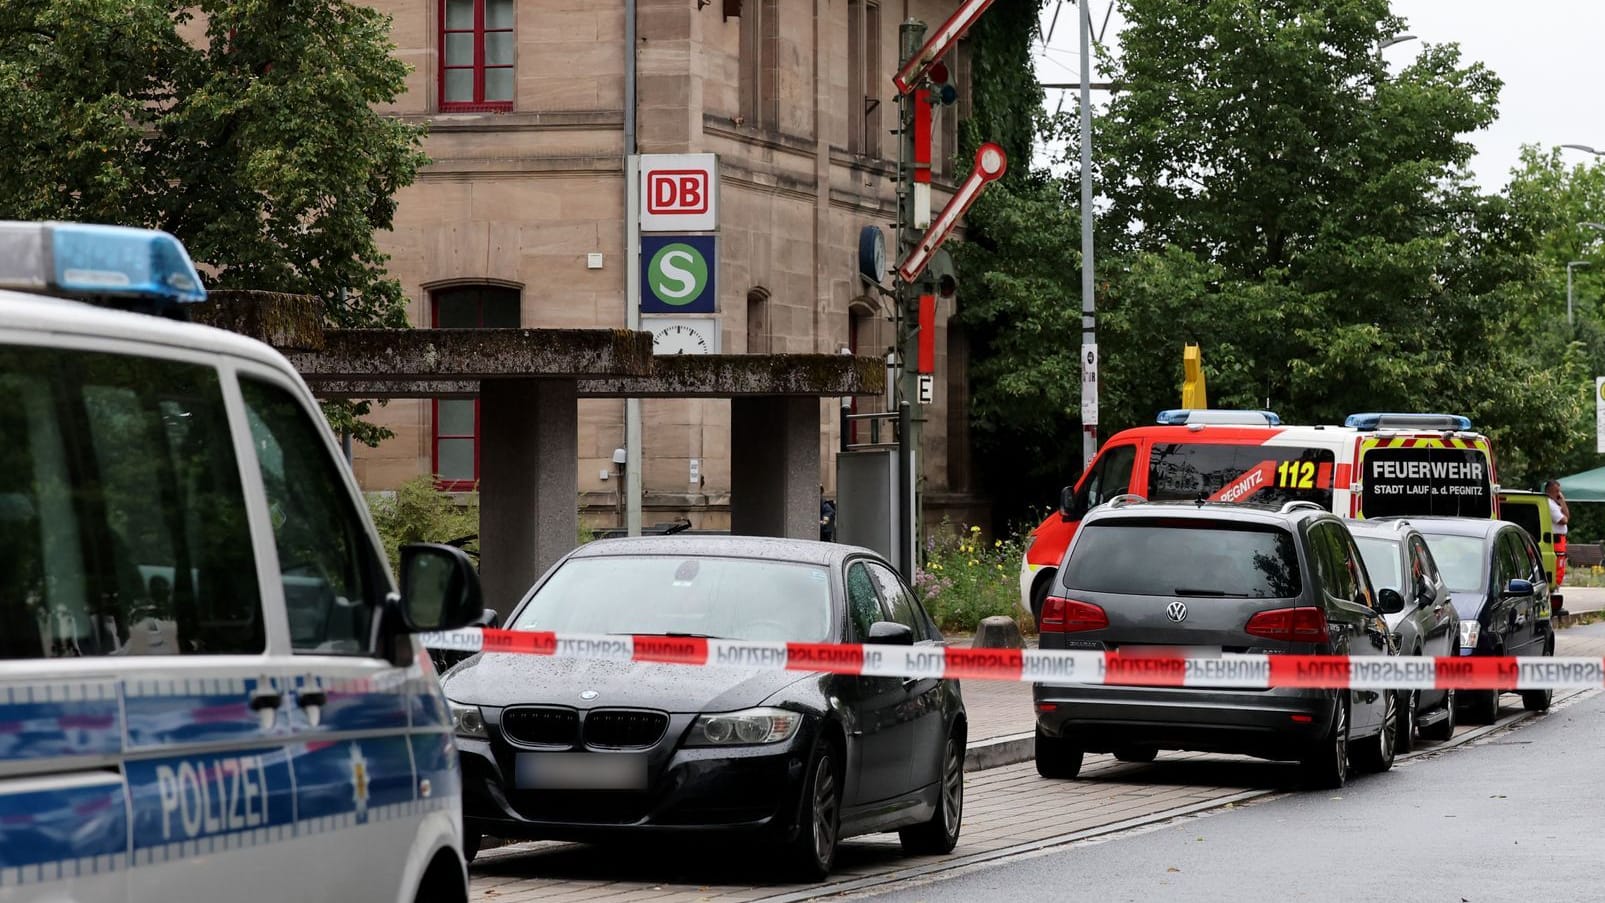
(1176, 611)
(589, 694)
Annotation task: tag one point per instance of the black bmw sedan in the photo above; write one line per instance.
(574, 749)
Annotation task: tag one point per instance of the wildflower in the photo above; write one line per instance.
(975, 529)
(973, 562)
(997, 543)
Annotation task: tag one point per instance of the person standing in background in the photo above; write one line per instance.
(1560, 514)
(827, 517)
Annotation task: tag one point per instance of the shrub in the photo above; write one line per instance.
(965, 578)
(418, 512)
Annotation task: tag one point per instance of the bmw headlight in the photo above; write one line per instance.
(748, 728)
(467, 721)
(1470, 632)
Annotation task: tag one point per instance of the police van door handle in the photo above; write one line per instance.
(312, 701)
(265, 703)
(266, 699)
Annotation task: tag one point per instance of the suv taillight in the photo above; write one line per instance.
(1289, 625)
(1060, 615)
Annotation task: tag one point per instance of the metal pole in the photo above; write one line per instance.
(1569, 267)
(1089, 328)
(632, 277)
(912, 36)
(905, 479)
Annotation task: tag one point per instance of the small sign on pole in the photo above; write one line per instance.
(1599, 414)
(1089, 385)
(927, 388)
(679, 192)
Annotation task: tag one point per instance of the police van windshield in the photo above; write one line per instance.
(122, 522)
(1419, 481)
(1252, 474)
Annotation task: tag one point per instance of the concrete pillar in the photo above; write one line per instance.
(529, 493)
(774, 467)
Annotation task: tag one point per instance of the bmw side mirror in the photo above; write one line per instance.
(1519, 587)
(439, 588)
(890, 633)
(1389, 602)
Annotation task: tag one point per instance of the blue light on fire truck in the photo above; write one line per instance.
(77, 260)
(1216, 417)
(1408, 422)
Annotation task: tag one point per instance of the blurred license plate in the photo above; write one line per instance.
(581, 771)
(1170, 651)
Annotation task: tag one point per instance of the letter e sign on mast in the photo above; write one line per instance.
(679, 192)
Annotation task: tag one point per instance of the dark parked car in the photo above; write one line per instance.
(573, 749)
(1206, 579)
(1497, 581)
(1399, 562)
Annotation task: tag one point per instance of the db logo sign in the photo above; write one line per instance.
(679, 192)
(672, 191)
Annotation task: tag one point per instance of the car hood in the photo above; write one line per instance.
(502, 680)
(1468, 605)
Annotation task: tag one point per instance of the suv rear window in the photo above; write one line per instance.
(1166, 557)
(1255, 474)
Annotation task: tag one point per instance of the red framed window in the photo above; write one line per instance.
(477, 46)
(454, 442)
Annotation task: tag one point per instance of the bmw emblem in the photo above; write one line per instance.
(1176, 611)
(589, 694)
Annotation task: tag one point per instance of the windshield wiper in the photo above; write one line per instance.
(1213, 593)
(673, 633)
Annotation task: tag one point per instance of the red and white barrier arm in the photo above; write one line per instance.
(1049, 666)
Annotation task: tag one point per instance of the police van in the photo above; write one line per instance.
(1375, 465)
(210, 688)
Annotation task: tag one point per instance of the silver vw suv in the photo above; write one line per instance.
(1208, 580)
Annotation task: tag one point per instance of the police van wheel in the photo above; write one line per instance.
(471, 841)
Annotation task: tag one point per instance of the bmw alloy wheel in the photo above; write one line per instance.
(953, 787)
(825, 804)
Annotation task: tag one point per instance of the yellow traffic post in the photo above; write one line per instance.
(1194, 394)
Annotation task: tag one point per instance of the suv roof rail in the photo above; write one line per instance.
(1126, 498)
(1299, 505)
(1385, 421)
(1217, 417)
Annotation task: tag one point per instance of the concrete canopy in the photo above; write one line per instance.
(529, 381)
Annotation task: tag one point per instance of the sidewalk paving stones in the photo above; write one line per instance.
(1008, 810)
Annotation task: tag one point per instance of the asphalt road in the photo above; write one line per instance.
(1518, 815)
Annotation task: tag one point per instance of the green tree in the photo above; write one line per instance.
(247, 128)
(1276, 193)
(1554, 202)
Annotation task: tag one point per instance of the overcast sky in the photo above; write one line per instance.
(1548, 52)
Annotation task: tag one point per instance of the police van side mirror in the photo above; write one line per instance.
(439, 588)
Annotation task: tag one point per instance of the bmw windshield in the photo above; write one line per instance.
(728, 598)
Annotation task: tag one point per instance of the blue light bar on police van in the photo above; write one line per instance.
(1408, 422)
(1217, 417)
(76, 260)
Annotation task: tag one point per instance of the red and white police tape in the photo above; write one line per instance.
(1376, 672)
